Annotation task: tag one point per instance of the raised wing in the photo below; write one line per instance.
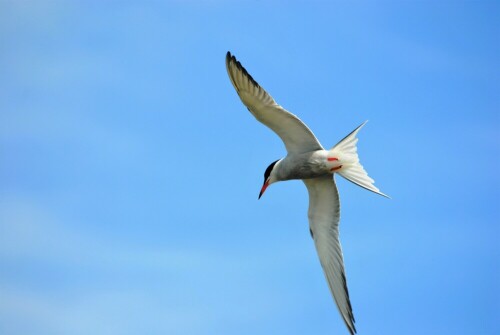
(298, 138)
(324, 217)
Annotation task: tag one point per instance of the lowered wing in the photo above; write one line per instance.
(324, 217)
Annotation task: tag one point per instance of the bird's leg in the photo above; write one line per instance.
(334, 159)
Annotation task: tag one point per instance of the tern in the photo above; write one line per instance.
(308, 161)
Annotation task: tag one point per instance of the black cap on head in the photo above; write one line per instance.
(269, 169)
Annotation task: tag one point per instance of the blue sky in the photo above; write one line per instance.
(130, 169)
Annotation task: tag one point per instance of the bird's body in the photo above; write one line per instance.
(309, 161)
(307, 165)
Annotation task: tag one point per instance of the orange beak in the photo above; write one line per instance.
(263, 189)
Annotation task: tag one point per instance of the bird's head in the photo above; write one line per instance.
(269, 177)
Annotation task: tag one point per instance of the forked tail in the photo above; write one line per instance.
(346, 153)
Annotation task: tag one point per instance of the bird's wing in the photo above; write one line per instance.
(298, 138)
(324, 217)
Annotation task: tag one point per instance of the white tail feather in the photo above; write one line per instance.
(347, 153)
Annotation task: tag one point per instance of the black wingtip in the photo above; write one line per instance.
(242, 69)
(228, 58)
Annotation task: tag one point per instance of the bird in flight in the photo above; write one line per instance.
(307, 160)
